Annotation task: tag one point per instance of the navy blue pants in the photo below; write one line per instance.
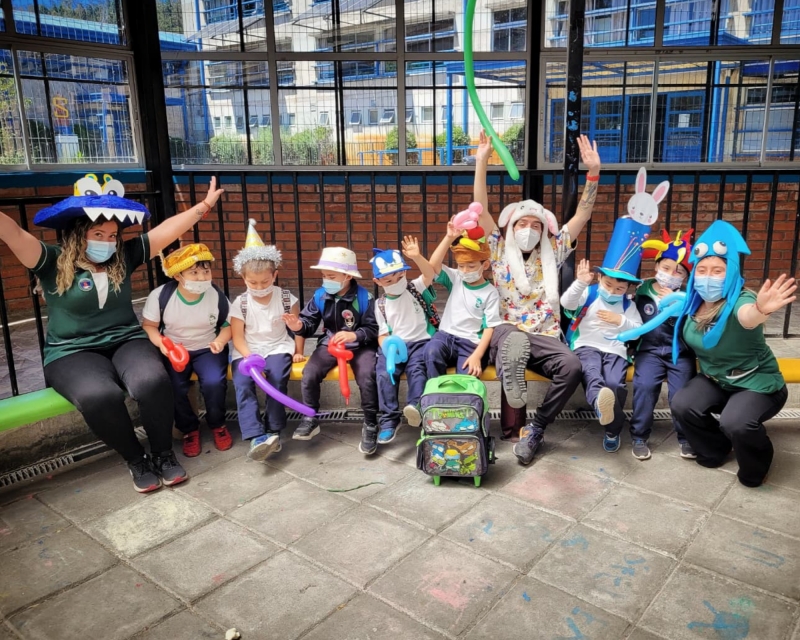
(416, 377)
(446, 350)
(212, 372)
(600, 370)
(651, 370)
(277, 370)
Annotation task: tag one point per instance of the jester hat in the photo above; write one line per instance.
(98, 203)
(678, 249)
(255, 249)
(185, 258)
(385, 262)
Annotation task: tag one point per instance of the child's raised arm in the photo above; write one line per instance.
(437, 257)
(411, 251)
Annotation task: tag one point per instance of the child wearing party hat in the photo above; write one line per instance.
(258, 328)
(472, 310)
(347, 312)
(406, 311)
(191, 310)
(654, 349)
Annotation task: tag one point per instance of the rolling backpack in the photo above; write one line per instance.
(455, 437)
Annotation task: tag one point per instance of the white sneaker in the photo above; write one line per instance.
(412, 415)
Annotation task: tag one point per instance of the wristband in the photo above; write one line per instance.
(760, 311)
(205, 213)
(592, 178)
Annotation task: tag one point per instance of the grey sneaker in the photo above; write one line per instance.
(514, 353)
(412, 415)
(167, 466)
(640, 449)
(687, 451)
(530, 441)
(307, 429)
(369, 439)
(605, 406)
(144, 478)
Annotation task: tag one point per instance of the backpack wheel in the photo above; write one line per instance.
(437, 480)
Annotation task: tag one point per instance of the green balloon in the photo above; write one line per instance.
(469, 71)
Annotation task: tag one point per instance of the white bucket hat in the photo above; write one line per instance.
(338, 259)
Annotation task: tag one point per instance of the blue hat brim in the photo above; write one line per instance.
(121, 210)
(619, 275)
(378, 276)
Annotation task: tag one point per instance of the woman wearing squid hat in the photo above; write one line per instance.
(95, 350)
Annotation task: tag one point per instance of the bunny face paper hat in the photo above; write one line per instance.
(255, 249)
(624, 253)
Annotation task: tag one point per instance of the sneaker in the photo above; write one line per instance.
(640, 449)
(369, 439)
(166, 465)
(222, 438)
(387, 434)
(412, 415)
(530, 441)
(687, 451)
(307, 429)
(264, 446)
(611, 443)
(144, 479)
(514, 357)
(191, 444)
(604, 406)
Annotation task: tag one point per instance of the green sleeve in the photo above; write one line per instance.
(444, 280)
(137, 251)
(47, 260)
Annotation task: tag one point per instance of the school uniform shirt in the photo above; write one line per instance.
(470, 308)
(406, 318)
(90, 314)
(264, 329)
(193, 324)
(592, 331)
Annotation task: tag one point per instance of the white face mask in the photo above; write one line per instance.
(397, 288)
(260, 293)
(472, 276)
(527, 238)
(197, 287)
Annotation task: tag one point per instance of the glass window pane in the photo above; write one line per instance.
(687, 22)
(790, 22)
(210, 25)
(556, 23)
(86, 20)
(782, 123)
(12, 146)
(742, 23)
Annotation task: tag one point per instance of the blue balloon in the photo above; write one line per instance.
(395, 351)
(669, 307)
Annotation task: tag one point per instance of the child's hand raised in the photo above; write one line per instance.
(452, 232)
(292, 321)
(584, 272)
(610, 317)
(484, 147)
(410, 248)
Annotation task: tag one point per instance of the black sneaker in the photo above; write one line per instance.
(530, 441)
(369, 439)
(640, 449)
(687, 451)
(514, 353)
(167, 466)
(144, 479)
(307, 429)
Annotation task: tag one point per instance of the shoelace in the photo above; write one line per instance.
(169, 461)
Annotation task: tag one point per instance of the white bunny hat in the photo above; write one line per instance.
(642, 206)
(516, 264)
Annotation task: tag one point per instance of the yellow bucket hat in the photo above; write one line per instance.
(185, 257)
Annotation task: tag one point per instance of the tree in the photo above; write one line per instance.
(393, 143)
(514, 139)
(261, 146)
(227, 148)
(11, 147)
(308, 147)
(460, 139)
(170, 16)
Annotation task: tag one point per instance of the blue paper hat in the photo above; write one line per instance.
(90, 200)
(385, 262)
(624, 253)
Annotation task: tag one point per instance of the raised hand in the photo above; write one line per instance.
(484, 147)
(292, 321)
(589, 155)
(452, 232)
(584, 272)
(213, 194)
(776, 295)
(410, 247)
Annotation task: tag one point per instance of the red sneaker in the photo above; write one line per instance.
(191, 444)
(222, 438)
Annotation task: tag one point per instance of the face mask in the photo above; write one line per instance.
(610, 298)
(527, 238)
(98, 251)
(710, 289)
(196, 286)
(331, 286)
(397, 288)
(472, 276)
(673, 283)
(260, 293)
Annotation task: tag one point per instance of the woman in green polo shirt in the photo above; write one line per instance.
(739, 376)
(95, 350)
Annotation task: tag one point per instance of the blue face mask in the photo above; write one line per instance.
(98, 251)
(332, 286)
(710, 289)
(610, 298)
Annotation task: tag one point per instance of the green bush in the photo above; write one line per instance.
(460, 139)
(514, 139)
(308, 147)
(228, 148)
(393, 143)
(261, 146)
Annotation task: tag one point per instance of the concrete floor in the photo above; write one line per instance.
(581, 544)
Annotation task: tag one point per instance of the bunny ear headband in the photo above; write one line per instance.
(509, 216)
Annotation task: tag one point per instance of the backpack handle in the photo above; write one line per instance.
(451, 381)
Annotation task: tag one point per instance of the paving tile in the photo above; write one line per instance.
(531, 609)
(641, 634)
(200, 561)
(211, 457)
(640, 518)
(112, 606)
(558, 488)
(506, 530)
(26, 520)
(585, 451)
(183, 626)
(279, 599)
(301, 458)
(443, 585)
(5, 634)
(291, 511)
(355, 469)
(785, 436)
(681, 479)
(234, 483)
(143, 525)
(761, 558)
(365, 618)
(695, 605)
(50, 564)
(609, 573)
(361, 544)
(767, 506)
(785, 471)
(415, 498)
(402, 449)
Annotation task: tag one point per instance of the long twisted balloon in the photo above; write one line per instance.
(669, 307)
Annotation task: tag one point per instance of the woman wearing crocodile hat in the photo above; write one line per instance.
(95, 350)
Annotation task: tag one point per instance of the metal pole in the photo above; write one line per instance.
(569, 194)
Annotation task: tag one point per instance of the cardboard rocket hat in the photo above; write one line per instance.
(255, 249)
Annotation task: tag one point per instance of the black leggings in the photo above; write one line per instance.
(96, 381)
